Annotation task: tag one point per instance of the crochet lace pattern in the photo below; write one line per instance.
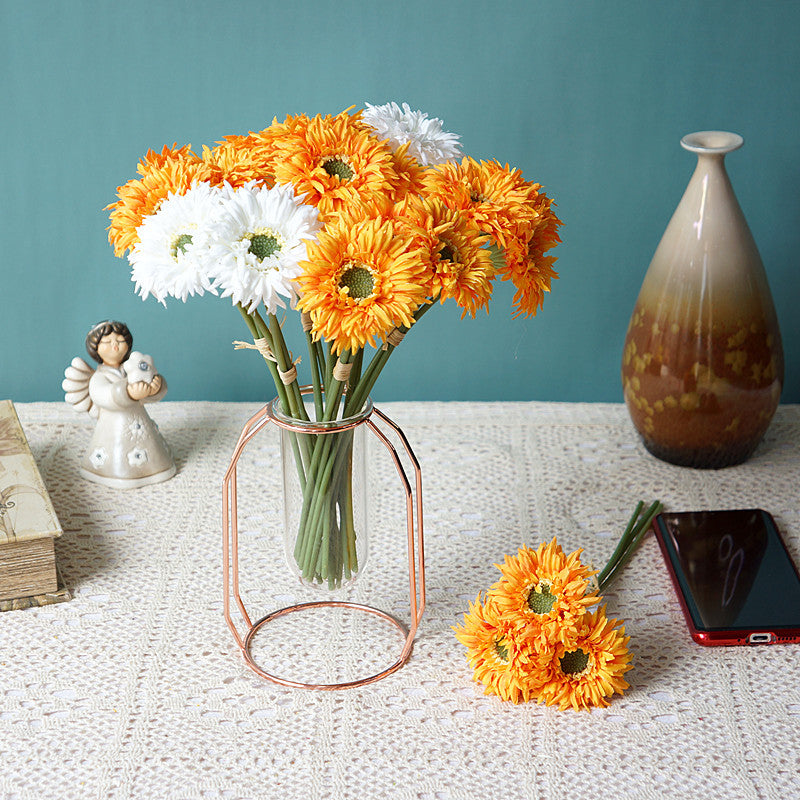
(136, 689)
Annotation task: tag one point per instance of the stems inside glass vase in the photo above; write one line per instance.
(325, 514)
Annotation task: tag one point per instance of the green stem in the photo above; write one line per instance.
(329, 362)
(622, 544)
(634, 533)
(334, 389)
(334, 490)
(359, 394)
(349, 528)
(281, 353)
(323, 543)
(360, 391)
(312, 525)
(316, 378)
(355, 372)
(319, 352)
(314, 497)
(259, 331)
(294, 396)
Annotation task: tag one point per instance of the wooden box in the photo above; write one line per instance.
(28, 522)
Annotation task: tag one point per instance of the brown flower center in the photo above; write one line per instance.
(448, 252)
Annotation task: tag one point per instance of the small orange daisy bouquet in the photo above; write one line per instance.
(362, 222)
(540, 634)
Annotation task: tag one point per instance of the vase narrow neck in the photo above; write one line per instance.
(712, 143)
(711, 147)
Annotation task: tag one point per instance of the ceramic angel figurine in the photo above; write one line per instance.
(126, 450)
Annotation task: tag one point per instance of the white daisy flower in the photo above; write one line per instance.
(429, 144)
(258, 237)
(171, 257)
(137, 457)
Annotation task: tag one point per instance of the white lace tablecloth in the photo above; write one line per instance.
(136, 689)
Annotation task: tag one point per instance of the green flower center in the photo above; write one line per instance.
(263, 245)
(339, 167)
(501, 648)
(357, 281)
(540, 601)
(476, 196)
(180, 243)
(574, 662)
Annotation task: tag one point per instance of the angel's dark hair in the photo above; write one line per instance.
(103, 329)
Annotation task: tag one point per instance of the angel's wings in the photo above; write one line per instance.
(76, 386)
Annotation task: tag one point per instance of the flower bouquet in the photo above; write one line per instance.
(540, 634)
(362, 222)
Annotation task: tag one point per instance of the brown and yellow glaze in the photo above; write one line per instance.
(701, 397)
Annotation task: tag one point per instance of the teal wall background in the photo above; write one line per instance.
(588, 98)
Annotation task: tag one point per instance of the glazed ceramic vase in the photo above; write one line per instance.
(702, 366)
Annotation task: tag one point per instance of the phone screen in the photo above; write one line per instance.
(733, 570)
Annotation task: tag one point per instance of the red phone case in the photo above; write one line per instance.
(726, 636)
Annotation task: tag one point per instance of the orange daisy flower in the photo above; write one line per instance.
(242, 159)
(588, 670)
(361, 281)
(527, 265)
(411, 176)
(154, 160)
(504, 665)
(544, 592)
(252, 157)
(334, 159)
(173, 170)
(496, 199)
(460, 265)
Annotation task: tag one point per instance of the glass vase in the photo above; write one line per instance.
(702, 367)
(330, 464)
(326, 538)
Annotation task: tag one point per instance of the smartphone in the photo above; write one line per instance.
(734, 577)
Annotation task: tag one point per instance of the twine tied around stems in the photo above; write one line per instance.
(341, 371)
(290, 376)
(306, 321)
(393, 338)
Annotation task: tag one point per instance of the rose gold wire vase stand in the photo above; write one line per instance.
(415, 547)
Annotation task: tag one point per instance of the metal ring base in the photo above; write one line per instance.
(250, 661)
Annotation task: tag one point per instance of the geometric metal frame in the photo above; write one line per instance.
(415, 546)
